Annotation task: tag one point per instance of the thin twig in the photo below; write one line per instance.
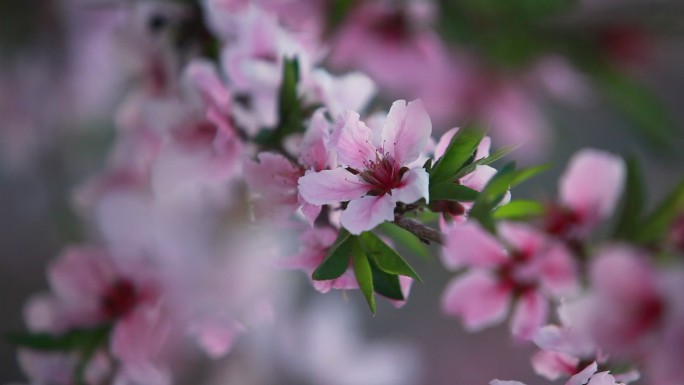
(425, 233)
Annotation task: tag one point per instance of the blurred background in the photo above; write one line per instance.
(66, 65)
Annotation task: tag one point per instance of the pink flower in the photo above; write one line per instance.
(589, 190)
(89, 288)
(374, 176)
(516, 119)
(254, 63)
(532, 269)
(628, 306)
(351, 91)
(571, 337)
(200, 145)
(387, 43)
(275, 179)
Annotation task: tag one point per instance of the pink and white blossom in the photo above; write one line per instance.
(373, 175)
(588, 193)
(275, 178)
(527, 267)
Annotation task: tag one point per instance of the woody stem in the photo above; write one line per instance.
(425, 233)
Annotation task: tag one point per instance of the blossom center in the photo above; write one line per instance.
(119, 299)
(560, 220)
(383, 174)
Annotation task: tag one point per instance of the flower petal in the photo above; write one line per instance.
(478, 179)
(365, 213)
(272, 176)
(346, 281)
(406, 131)
(524, 239)
(414, 187)
(582, 377)
(444, 142)
(500, 382)
(467, 243)
(310, 211)
(478, 299)
(592, 183)
(530, 314)
(215, 335)
(351, 139)
(559, 271)
(314, 145)
(603, 378)
(331, 186)
(81, 275)
(554, 365)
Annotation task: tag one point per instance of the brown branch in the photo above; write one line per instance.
(426, 234)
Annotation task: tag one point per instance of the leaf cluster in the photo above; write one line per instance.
(376, 265)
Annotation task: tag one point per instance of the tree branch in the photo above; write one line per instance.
(424, 233)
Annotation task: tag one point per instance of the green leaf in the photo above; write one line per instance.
(633, 200)
(287, 95)
(527, 173)
(491, 195)
(448, 191)
(659, 222)
(363, 273)
(459, 151)
(498, 154)
(337, 260)
(499, 184)
(386, 284)
(338, 11)
(406, 239)
(290, 110)
(88, 349)
(519, 209)
(428, 165)
(385, 257)
(72, 340)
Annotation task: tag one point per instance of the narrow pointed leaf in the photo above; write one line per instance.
(498, 154)
(385, 257)
(406, 239)
(72, 340)
(337, 260)
(386, 284)
(491, 195)
(363, 273)
(448, 191)
(428, 165)
(633, 200)
(459, 151)
(659, 222)
(519, 209)
(527, 173)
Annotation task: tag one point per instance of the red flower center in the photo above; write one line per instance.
(560, 221)
(393, 26)
(384, 174)
(119, 300)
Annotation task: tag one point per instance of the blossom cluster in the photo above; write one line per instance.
(233, 144)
